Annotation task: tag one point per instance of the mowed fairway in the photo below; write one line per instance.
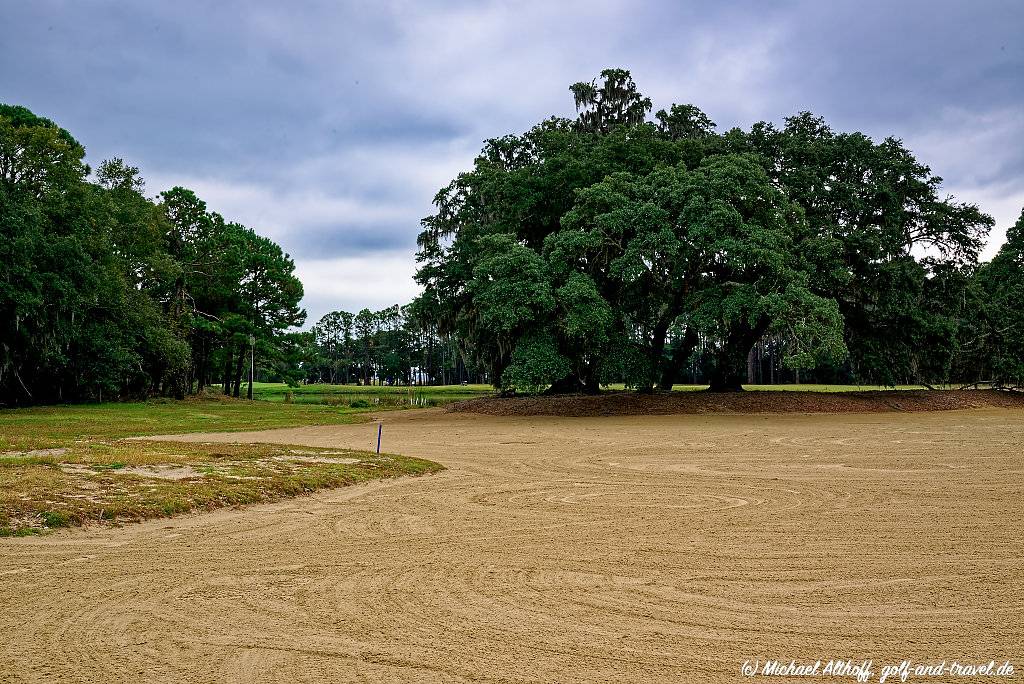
(663, 548)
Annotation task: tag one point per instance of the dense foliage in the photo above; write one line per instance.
(613, 248)
(107, 294)
(992, 314)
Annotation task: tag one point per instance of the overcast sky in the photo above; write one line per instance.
(330, 126)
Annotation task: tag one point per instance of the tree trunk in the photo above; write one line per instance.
(591, 383)
(725, 380)
(731, 362)
(186, 383)
(570, 384)
(252, 372)
(228, 353)
(658, 337)
(203, 362)
(238, 373)
(680, 355)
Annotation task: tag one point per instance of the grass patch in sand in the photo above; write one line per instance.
(127, 480)
(62, 466)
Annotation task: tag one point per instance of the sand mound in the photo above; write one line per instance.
(632, 404)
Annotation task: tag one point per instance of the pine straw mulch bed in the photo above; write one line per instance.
(667, 403)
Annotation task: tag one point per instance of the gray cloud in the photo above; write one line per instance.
(330, 126)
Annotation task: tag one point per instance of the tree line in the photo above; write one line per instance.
(613, 247)
(107, 294)
(616, 247)
(394, 346)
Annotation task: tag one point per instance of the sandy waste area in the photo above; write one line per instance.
(601, 549)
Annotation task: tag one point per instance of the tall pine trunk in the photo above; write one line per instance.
(228, 355)
(238, 372)
(204, 360)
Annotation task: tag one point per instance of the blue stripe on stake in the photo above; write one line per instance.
(380, 429)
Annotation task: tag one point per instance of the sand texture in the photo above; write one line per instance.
(615, 549)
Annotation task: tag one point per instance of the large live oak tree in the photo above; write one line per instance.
(613, 248)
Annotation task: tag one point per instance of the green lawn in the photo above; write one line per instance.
(54, 426)
(271, 390)
(69, 465)
(370, 395)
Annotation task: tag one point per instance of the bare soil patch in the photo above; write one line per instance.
(669, 403)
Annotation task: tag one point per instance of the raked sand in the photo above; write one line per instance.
(641, 549)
